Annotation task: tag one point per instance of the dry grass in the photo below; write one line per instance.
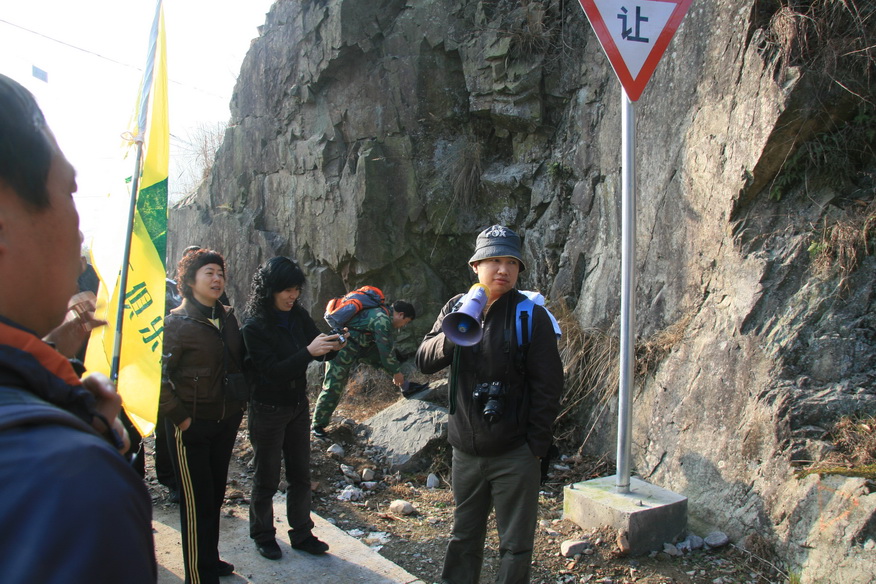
(651, 352)
(533, 35)
(467, 176)
(833, 44)
(760, 555)
(368, 392)
(854, 454)
(590, 362)
(839, 246)
(592, 370)
(855, 440)
(830, 37)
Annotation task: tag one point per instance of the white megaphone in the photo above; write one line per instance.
(463, 325)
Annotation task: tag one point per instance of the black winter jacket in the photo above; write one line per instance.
(533, 395)
(277, 357)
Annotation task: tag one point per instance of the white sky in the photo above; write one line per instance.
(94, 52)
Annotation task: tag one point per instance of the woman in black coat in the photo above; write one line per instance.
(281, 340)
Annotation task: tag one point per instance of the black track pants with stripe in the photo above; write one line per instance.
(203, 454)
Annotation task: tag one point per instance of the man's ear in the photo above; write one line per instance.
(474, 267)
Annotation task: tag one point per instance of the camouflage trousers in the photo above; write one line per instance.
(336, 374)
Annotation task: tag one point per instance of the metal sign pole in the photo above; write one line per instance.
(628, 289)
(634, 35)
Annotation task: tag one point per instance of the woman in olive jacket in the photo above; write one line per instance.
(281, 341)
(202, 343)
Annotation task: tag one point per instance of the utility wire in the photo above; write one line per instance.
(66, 44)
(105, 58)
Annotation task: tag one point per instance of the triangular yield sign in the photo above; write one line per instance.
(634, 35)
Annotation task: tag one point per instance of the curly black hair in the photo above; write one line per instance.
(275, 275)
(189, 265)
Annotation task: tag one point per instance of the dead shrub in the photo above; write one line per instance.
(829, 37)
(533, 35)
(840, 245)
(854, 454)
(591, 362)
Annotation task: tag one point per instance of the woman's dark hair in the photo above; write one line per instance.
(189, 265)
(275, 275)
(26, 151)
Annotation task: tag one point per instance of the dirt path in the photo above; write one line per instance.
(365, 533)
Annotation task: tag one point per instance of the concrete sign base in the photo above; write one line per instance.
(649, 514)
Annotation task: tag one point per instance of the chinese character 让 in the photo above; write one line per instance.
(627, 32)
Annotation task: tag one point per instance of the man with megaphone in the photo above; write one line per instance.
(505, 386)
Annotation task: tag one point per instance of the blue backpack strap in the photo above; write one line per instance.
(524, 320)
(524, 312)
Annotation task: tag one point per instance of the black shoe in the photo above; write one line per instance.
(312, 545)
(173, 496)
(224, 568)
(410, 388)
(270, 549)
(319, 431)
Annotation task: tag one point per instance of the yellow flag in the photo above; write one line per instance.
(139, 356)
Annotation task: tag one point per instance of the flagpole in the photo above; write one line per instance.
(145, 96)
(126, 258)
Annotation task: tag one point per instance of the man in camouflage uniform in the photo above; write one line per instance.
(371, 340)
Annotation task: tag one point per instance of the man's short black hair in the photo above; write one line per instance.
(405, 308)
(25, 149)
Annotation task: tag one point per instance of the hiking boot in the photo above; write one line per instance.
(224, 568)
(312, 545)
(319, 431)
(269, 549)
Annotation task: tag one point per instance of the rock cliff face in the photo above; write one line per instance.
(373, 140)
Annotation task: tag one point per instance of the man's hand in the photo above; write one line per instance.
(70, 335)
(109, 404)
(398, 379)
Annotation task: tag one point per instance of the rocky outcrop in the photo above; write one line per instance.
(405, 433)
(372, 140)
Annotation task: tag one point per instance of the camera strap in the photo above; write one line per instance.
(454, 375)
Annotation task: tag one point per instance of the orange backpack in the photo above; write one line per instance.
(341, 310)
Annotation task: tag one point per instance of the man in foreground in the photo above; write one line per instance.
(73, 510)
